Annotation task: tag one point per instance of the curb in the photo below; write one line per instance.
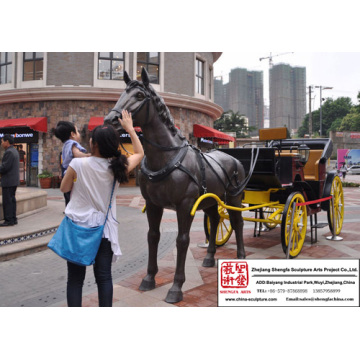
(24, 248)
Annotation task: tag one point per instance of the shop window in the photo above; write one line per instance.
(5, 68)
(33, 66)
(199, 77)
(151, 62)
(111, 65)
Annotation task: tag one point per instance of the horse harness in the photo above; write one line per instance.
(202, 159)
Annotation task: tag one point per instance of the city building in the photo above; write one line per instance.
(287, 96)
(39, 89)
(244, 93)
(266, 116)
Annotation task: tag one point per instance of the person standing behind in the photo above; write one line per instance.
(344, 171)
(10, 180)
(90, 182)
(68, 133)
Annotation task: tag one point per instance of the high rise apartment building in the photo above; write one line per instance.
(287, 96)
(244, 93)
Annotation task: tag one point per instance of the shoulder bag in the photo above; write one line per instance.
(76, 243)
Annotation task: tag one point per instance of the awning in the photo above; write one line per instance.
(37, 124)
(96, 121)
(207, 132)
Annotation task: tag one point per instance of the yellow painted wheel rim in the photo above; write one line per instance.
(338, 198)
(267, 212)
(224, 229)
(299, 225)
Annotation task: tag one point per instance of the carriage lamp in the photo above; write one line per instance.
(304, 152)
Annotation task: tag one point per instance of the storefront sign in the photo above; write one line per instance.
(21, 135)
(125, 137)
(206, 141)
(355, 135)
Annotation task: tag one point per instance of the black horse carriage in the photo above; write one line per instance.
(176, 175)
(285, 172)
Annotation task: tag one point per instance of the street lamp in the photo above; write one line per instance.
(321, 99)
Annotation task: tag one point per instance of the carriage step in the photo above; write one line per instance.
(319, 226)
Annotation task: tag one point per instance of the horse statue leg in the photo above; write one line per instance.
(214, 217)
(237, 223)
(184, 219)
(154, 216)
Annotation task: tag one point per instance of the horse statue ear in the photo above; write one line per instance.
(126, 78)
(145, 77)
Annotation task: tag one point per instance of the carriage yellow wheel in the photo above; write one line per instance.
(338, 198)
(266, 213)
(224, 229)
(299, 224)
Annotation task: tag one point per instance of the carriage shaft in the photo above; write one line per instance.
(228, 207)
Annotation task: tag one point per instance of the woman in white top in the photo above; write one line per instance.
(90, 181)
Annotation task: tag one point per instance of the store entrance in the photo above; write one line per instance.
(23, 151)
(32, 164)
(26, 142)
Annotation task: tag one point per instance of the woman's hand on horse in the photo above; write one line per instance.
(126, 121)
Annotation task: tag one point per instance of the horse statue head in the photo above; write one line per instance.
(142, 101)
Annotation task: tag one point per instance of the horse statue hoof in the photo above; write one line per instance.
(147, 285)
(174, 297)
(208, 263)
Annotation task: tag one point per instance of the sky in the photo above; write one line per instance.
(339, 70)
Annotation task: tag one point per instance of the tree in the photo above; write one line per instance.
(332, 111)
(234, 122)
(351, 122)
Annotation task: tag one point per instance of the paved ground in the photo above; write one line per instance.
(38, 279)
(42, 276)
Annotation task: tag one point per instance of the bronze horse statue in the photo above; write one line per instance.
(173, 175)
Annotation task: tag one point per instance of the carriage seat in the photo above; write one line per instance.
(280, 133)
(311, 168)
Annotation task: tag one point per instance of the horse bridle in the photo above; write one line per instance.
(165, 148)
(145, 101)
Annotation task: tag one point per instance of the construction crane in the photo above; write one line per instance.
(271, 56)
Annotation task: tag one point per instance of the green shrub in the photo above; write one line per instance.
(45, 174)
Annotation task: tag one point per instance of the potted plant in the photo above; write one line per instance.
(45, 179)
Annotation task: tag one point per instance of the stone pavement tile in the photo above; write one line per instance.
(165, 276)
(354, 246)
(90, 300)
(150, 298)
(132, 282)
(121, 292)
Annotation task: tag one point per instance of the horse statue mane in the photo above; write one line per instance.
(160, 105)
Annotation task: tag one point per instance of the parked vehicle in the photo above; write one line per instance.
(354, 170)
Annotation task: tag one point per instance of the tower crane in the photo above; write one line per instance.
(271, 56)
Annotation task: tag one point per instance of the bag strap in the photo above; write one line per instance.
(112, 193)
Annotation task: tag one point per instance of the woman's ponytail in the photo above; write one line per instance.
(118, 166)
